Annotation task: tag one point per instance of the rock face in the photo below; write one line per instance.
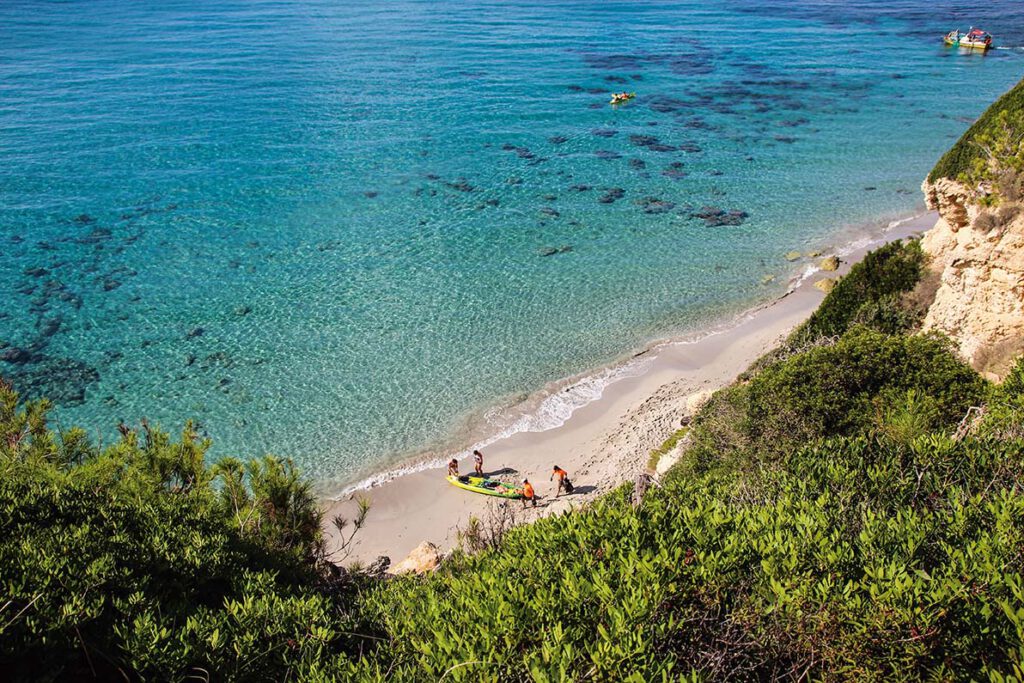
(424, 558)
(980, 299)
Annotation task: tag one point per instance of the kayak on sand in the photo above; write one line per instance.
(488, 487)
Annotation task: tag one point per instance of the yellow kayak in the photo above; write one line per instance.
(488, 487)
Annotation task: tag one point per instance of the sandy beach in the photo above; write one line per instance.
(602, 444)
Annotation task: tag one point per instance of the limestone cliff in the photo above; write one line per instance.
(979, 258)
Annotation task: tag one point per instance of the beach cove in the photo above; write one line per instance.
(604, 443)
(352, 253)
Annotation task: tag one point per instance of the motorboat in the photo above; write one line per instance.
(974, 39)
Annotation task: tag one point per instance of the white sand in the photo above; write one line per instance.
(603, 444)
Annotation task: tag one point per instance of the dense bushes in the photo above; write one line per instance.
(871, 294)
(139, 558)
(847, 388)
(969, 157)
(858, 558)
(834, 517)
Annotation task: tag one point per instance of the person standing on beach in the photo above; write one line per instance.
(478, 463)
(528, 493)
(453, 468)
(563, 482)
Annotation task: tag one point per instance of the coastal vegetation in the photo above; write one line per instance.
(834, 516)
(140, 560)
(850, 509)
(991, 152)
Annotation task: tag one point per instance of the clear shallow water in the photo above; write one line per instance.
(319, 228)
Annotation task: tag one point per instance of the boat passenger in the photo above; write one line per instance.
(453, 468)
(528, 493)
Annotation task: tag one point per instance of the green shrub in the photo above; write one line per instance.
(859, 558)
(968, 159)
(870, 294)
(830, 391)
(1004, 410)
(140, 559)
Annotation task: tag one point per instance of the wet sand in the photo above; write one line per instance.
(602, 445)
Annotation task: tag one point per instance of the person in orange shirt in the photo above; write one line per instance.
(528, 493)
(561, 474)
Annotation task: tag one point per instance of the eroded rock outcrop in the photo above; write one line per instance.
(424, 558)
(979, 302)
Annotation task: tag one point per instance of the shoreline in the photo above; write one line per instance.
(605, 438)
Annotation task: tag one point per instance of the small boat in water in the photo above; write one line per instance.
(486, 486)
(622, 97)
(974, 39)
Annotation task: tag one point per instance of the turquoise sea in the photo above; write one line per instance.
(351, 232)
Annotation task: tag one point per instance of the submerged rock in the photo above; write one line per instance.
(522, 152)
(715, 217)
(653, 205)
(643, 140)
(792, 255)
(667, 105)
(691, 63)
(16, 355)
(218, 358)
(551, 251)
(49, 326)
(95, 236)
(611, 195)
(607, 155)
(604, 132)
(462, 185)
(62, 380)
(829, 263)
(558, 139)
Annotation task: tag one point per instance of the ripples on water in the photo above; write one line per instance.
(338, 231)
